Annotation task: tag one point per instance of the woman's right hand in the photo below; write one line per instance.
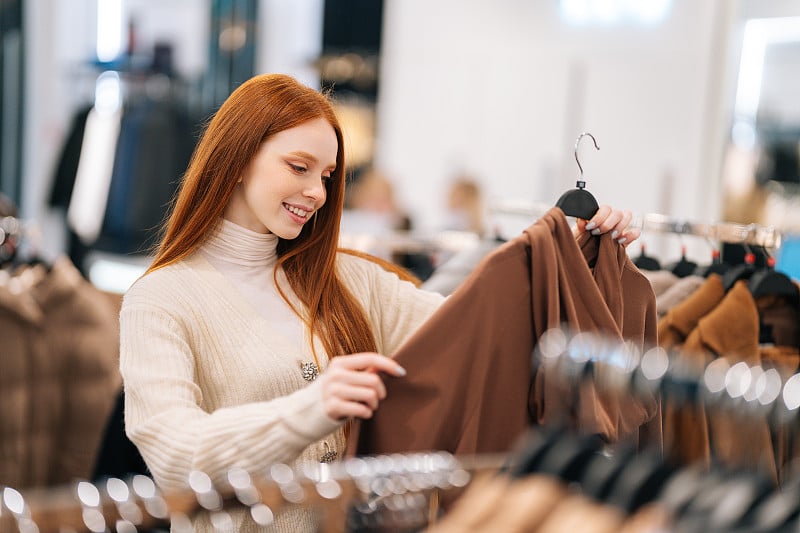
(351, 386)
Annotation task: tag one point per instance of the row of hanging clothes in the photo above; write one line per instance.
(743, 251)
(727, 314)
(122, 158)
(494, 374)
(59, 340)
(555, 478)
(558, 479)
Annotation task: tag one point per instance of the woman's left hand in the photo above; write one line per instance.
(614, 220)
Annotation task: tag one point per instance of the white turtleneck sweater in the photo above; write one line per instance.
(247, 259)
(211, 359)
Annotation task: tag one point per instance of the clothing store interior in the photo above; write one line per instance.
(566, 383)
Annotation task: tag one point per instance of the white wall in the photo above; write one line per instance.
(290, 38)
(503, 89)
(58, 36)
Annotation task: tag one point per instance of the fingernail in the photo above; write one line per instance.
(401, 371)
(623, 240)
(614, 234)
(591, 225)
(596, 231)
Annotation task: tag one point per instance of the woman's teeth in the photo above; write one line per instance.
(296, 211)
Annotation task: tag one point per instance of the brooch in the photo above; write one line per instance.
(329, 456)
(309, 369)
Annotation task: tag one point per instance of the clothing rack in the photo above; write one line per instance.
(410, 241)
(554, 463)
(395, 485)
(760, 393)
(727, 232)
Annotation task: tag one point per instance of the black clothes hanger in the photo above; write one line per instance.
(738, 272)
(646, 262)
(683, 267)
(533, 448)
(779, 511)
(640, 482)
(569, 459)
(717, 266)
(727, 504)
(770, 282)
(602, 472)
(579, 202)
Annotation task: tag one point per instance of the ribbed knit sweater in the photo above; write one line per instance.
(211, 363)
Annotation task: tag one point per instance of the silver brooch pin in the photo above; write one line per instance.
(309, 369)
(329, 456)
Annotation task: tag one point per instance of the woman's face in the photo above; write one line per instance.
(285, 183)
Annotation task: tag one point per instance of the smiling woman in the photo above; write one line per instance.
(247, 301)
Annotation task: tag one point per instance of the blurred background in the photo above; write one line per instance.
(460, 115)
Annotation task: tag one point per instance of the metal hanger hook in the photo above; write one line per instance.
(750, 229)
(577, 142)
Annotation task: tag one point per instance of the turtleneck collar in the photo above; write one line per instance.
(238, 245)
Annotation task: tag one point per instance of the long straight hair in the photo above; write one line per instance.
(258, 109)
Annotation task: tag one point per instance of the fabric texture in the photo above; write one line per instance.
(661, 280)
(471, 385)
(731, 331)
(679, 322)
(685, 427)
(779, 321)
(59, 378)
(677, 293)
(211, 383)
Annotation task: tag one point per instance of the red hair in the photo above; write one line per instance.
(255, 111)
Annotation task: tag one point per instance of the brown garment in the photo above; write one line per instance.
(469, 365)
(731, 331)
(786, 360)
(59, 377)
(780, 317)
(682, 319)
(500, 504)
(685, 428)
(651, 518)
(29, 397)
(578, 513)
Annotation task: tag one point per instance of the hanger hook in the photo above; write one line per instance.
(582, 183)
(751, 228)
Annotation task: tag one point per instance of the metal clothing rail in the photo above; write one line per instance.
(391, 483)
(727, 232)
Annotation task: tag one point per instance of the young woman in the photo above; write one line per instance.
(251, 340)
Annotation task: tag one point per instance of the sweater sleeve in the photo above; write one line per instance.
(163, 405)
(396, 308)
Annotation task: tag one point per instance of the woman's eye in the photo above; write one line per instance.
(298, 168)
